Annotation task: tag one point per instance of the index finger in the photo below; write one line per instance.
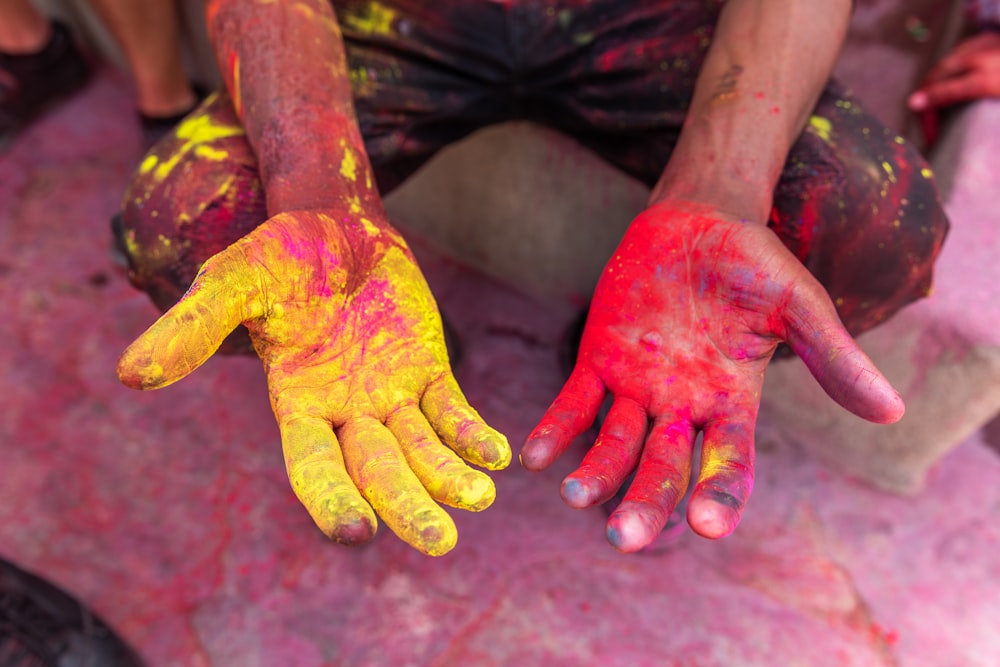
(571, 413)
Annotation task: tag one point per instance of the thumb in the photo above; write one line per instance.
(841, 367)
(219, 299)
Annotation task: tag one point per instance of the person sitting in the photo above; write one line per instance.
(780, 212)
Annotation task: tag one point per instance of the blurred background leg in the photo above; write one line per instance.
(23, 29)
(148, 33)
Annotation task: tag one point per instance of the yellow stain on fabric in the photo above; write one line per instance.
(131, 245)
(363, 84)
(376, 19)
(196, 131)
(148, 163)
(821, 127)
(889, 172)
(210, 153)
(358, 76)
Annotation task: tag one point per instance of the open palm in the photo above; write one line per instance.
(684, 321)
(357, 370)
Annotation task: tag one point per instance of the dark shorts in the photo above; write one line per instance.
(855, 203)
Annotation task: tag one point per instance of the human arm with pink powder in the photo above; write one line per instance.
(699, 294)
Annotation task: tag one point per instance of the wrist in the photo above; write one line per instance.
(718, 165)
(743, 198)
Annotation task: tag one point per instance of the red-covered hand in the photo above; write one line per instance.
(971, 71)
(684, 320)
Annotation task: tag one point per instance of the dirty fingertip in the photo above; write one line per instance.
(540, 449)
(535, 455)
(631, 529)
(713, 518)
(579, 493)
(136, 375)
(436, 539)
(495, 451)
(895, 408)
(477, 492)
(353, 530)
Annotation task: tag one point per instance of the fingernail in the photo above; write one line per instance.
(437, 540)
(614, 537)
(354, 531)
(477, 491)
(627, 530)
(575, 493)
(532, 456)
(918, 101)
(500, 451)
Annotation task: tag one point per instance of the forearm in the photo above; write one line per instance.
(764, 72)
(286, 70)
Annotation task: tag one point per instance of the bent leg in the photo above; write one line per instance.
(855, 203)
(149, 35)
(416, 89)
(858, 205)
(196, 192)
(39, 66)
(23, 28)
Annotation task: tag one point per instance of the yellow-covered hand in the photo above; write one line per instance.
(357, 370)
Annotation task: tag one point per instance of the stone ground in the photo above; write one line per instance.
(170, 514)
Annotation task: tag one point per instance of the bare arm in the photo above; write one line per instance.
(285, 67)
(767, 66)
(693, 304)
(370, 416)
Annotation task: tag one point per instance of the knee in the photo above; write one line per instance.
(195, 192)
(891, 262)
(861, 209)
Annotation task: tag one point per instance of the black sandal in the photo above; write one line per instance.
(32, 83)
